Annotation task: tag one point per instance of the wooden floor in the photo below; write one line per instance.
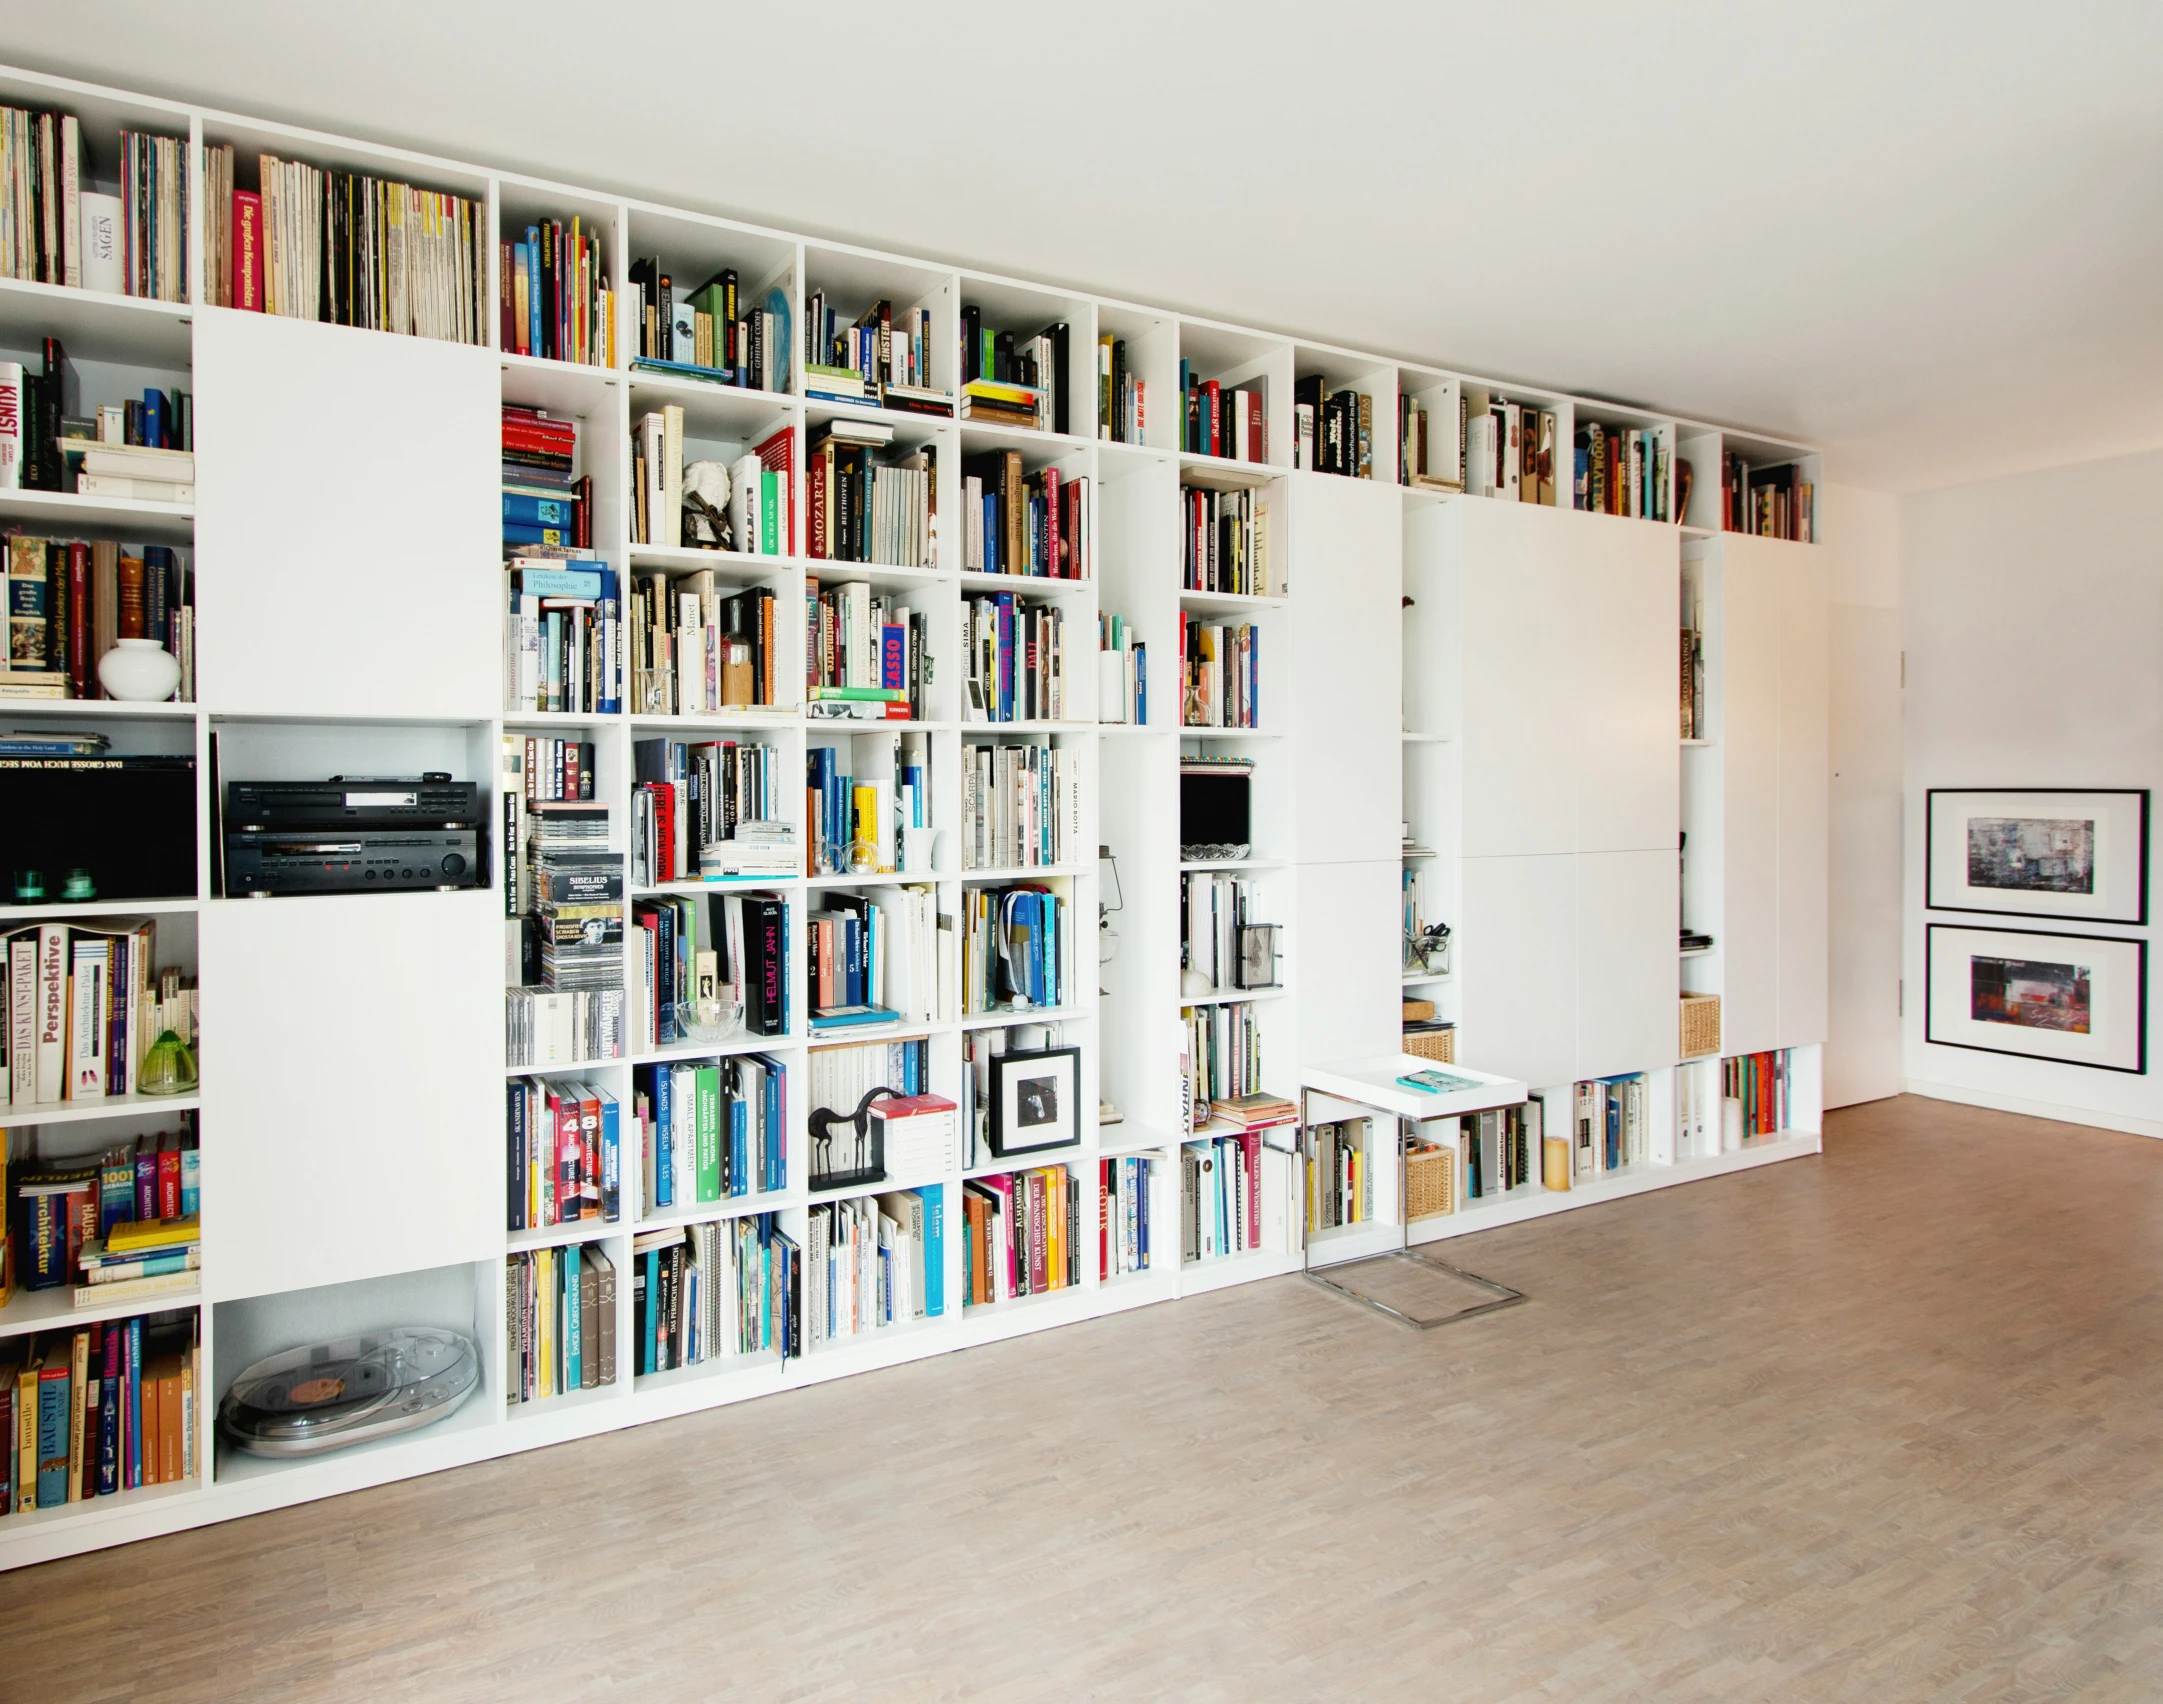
(1885, 1425)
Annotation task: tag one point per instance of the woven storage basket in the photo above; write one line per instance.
(1700, 1025)
(1430, 1183)
(1439, 1045)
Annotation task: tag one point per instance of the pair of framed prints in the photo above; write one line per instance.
(2046, 852)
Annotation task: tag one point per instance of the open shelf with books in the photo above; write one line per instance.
(556, 275)
(1232, 385)
(878, 333)
(711, 304)
(1027, 360)
(1137, 378)
(1344, 415)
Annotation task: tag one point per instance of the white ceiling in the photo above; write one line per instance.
(1925, 235)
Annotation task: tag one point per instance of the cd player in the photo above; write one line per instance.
(289, 861)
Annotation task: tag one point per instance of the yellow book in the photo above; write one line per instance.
(544, 1308)
(26, 1436)
(135, 1235)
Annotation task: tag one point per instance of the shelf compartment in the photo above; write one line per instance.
(110, 1106)
(55, 1309)
(62, 512)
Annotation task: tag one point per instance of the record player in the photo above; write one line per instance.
(328, 1396)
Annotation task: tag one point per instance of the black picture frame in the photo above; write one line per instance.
(2132, 943)
(1936, 899)
(1035, 1099)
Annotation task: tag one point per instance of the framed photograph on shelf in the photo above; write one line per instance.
(2039, 852)
(2070, 999)
(1035, 1101)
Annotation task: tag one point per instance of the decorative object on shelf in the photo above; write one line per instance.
(2070, 999)
(168, 1068)
(2058, 852)
(1427, 951)
(1107, 936)
(1034, 1099)
(139, 671)
(327, 1396)
(849, 1148)
(29, 886)
(77, 887)
(1255, 965)
(1430, 1179)
(711, 1018)
(1700, 1032)
(1194, 984)
(706, 506)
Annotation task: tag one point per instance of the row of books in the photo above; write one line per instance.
(1022, 1235)
(868, 801)
(1123, 1214)
(99, 1410)
(737, 954)
(1224, 422)
(115, 1225)
(705, 1291)
(1122, 671)
(698, 648)
(1622, 471)
(547, 503)
(703, 810)
(1014, 521)
(571, 938)
(711, 1129)
(865, 653)
(83, 1007)
(708, 332)
(546, 1031)
(1016, 948)
(564, 633)
(882, 359)
(42, 214)
(1020, 806)
(979, 1048)
(860, 509)
(138, 449)
(1340, 1174)
(1218, 934)
(536, 770)
(1332, 431)
(552, 295)
(743, 504)
(1220, 666)
(1510, 450)
(345, 248)
(564, 1142)
(1014, 381)
(1015, 658)
(874, 957)
(1223, 1059)
(1772, 502)
(1760, 1087)
(1122, 397)
(1507, 1148)
(71, 601)
(1220, 1195)
(560, 1316)
(1224, 543)
(1692, 678)
(874, 1262)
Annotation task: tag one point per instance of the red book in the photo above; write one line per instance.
(778, 455)
(664, 834)
(1039, 1271)
(589, 1155)
(569, 1149)
(1257, 429)
(78, 595)
(1213, 418)
(246, 289)
(816, 476)
(1053, 565)
(168, 1181)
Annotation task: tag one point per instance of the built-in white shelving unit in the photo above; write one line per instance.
(1500, 675)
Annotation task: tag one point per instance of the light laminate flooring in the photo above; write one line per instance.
(1885, 1425)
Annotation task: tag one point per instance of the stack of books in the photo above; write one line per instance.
(1021, 806)
(867, 511)
(137, 473)
(139, 1258)
(986, 402)
(1121, 414)
(1224, 543)
(1122, 672)
(544, 502)
(536, 768)
(577, 922)
(106, 1408)
(708, 810)
(561, 1316)
(700, 1292)
(564, 1150)
(874, 1262)
(1221, 422)
(866, 656)
(711, 1129)
(1224, 1055)
(68, 602)
(1220, 668)
(552, 295)
(881, 360)
(1016, 657)
(564, 634)
(1022, 1235)
(1123, 1242)
(1017, 948)
(1010, 382)
(344, 247)
(1017, 522)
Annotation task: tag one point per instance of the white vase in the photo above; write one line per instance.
(140, 671)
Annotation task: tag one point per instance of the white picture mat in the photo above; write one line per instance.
(2115, 1004)
(2118, 819)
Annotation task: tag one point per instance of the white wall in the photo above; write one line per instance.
(1862, 1046)
(2033, 610)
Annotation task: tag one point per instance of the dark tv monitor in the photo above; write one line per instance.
(128, 821)
(1213, 812)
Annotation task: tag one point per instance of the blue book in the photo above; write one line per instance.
(664, 1123)
(933, 1197)
(566, 1264)
(109, 1414)
(611, 1156)
(540, 511)
(515, 1100)
(54, 1410)
(135, 1403)
(650, 1348)
(515, 532)
(1141, 683)
(191, 1182)
(533, 289)
(559, 583)
(847, 1017)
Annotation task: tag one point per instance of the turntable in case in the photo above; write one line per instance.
(326, 1396)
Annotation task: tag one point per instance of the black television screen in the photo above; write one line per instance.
(127, 821)
(1213, 809)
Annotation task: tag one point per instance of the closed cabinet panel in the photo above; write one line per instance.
(1521, 705)
(1748, 726)
(1805, 782)
(1347, 984)
(1515, 959)
(1627, 1012)
(1623, 624)
(349, 534)
(1347, 579)
(360, 1115)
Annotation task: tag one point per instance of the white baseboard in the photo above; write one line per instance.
(2056, 1111)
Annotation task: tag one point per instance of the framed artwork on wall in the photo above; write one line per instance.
(2080, 855)
(2070, 999)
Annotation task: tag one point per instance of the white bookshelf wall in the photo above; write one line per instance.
(1518, 714)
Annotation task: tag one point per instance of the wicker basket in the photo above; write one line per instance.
(1438, 1045)
(1700, 1025)
(1430, 1183)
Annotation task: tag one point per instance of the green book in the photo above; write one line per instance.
(770, 513)
(566, 1276)
(706, 1094)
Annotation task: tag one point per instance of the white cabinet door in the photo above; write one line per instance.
(1347, 980)
(1521, 705)
(1623, 614)
(1515, 959)
(1748, 727)
(353, 1119)
(1627, 1016)
(1805, 782)
(348, 533)
(1345, 705)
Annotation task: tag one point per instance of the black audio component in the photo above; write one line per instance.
(353, 802)
(285, 861)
